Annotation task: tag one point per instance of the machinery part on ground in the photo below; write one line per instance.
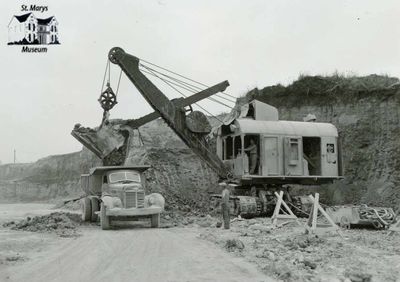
(104, 219)
(107, 98)
(344, 222)
(346, 216)
(86, 209)
(95, 206)
(383, 216)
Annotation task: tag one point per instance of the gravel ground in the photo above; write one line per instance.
(288, 254)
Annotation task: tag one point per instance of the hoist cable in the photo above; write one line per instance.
(104, 77)
(109, 72)
(185, 88)
(188, 89)
(186, 97)
(119, 81)
(192, 86)
(202, 84)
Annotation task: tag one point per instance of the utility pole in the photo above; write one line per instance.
(15, 156)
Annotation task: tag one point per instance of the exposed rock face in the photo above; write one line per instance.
(48, 178)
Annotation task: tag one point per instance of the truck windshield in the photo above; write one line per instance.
(126, 176)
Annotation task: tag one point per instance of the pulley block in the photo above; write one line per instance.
(108, 99)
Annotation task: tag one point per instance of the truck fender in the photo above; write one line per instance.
(154, 199)
(111, 202)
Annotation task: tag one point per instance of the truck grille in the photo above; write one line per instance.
(134, 199)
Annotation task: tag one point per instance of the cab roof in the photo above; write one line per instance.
(102, 169)
(283, 127)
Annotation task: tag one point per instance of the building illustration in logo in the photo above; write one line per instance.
(27, 29)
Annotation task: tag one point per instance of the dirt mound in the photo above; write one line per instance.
(63, 224)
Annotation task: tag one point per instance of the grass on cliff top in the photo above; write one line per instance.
(336, 88)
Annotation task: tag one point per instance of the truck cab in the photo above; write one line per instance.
(119, 193)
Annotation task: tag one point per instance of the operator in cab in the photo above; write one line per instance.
(252, 149)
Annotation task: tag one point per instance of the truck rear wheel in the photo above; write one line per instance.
(86, 209)
(155, 220)
(95, 208)
(104, 219)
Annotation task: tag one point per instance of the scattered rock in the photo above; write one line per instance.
(15, 258)
(204, 223)
(266, 254)
(232, 245)
(358, 276)
(262, 228)
(252, 221)
(326, 278)
(310, 264)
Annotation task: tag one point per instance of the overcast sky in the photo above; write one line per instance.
(250, 43)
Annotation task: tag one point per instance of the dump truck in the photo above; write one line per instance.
(118, 193)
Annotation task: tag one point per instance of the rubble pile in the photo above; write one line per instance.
(173, 218)
(288, 254)
(61, 223)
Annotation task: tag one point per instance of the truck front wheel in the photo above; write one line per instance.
(86, 209)
(104, 219)
(155, 220)
(95, 208)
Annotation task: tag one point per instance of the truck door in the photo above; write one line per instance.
(293, 156)
(270, 164)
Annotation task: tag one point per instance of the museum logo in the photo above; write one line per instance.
(28, 29)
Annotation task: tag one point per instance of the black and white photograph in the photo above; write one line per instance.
(191, 141)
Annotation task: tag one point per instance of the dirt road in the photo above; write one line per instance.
(134, 254)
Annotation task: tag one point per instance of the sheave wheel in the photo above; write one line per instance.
(104, 219)
(95, 208)
(86, 209)
(155, 220)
